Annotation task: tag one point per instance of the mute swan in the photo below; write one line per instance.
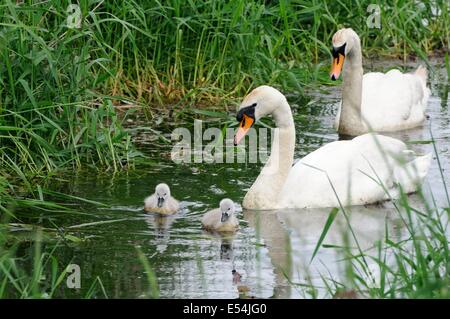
(353, 166)
(221, 219)
(161, 202)
(380, 102)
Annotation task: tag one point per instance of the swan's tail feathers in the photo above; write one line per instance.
(411, 175)
(422, 73)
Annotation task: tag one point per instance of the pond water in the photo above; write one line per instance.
(268, 248)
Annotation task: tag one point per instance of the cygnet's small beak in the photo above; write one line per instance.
(246, 123)
(160, 202)
(224, 217)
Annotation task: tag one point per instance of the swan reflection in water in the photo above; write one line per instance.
(226, 248)
(161, 225)
(226, 243)
(240, 283)
(291, 235)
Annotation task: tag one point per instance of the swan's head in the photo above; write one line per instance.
(227, 209)
(344, 40)
(162, 192)
(262, 101)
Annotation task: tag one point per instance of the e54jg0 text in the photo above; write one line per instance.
(231, 308)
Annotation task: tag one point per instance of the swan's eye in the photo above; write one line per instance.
(248, 110)
(340, 50)
(165, 194)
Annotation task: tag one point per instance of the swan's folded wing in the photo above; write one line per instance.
(150, 202)
(393, 101)
(361, 171)
(211, 218)
(413, 173)
(173, 205)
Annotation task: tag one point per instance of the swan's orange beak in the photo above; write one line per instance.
(336, 66)
(245, 124)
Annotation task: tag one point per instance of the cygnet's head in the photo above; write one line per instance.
(227, 209)
(162, 192)
(344, 40)
(262, 101)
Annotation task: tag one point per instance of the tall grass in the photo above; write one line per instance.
(49, 116)
(154, 52)
(60, 87)
(416, 265)
(44, 279)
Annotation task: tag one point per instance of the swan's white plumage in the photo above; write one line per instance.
(169, 206)
(375, 101)
(212, 219)
(356, 169)
(368, 169)
(392, 101)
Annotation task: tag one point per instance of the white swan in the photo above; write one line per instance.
(378, 102)
(161, 201)
(221, 219)
(354, 167)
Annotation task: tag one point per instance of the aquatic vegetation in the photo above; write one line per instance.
(417, 266)
(46, 276)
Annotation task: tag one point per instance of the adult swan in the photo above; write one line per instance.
(378, 102)
(367, 169)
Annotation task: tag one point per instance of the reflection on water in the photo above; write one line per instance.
(161, 225)
(292, 235)
(272, 250)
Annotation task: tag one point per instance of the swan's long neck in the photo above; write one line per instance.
(350, 121)
(265, 191)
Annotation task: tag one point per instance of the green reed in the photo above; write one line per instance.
(414, 266)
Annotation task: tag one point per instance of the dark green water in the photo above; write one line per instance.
(190, 263)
